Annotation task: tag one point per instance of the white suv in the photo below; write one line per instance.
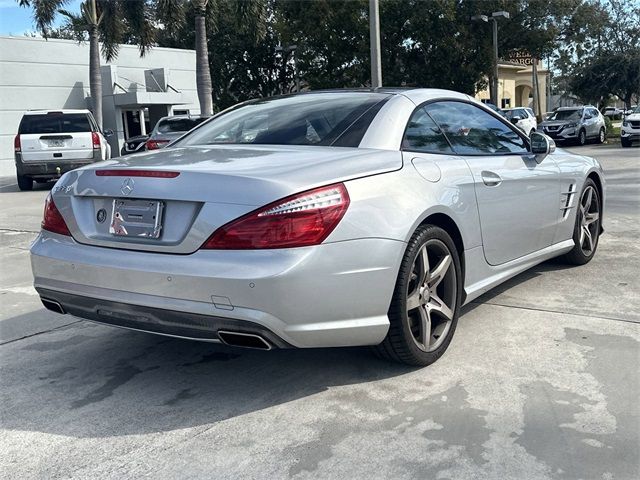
(523, 118)
(52, 142)
(630, 129)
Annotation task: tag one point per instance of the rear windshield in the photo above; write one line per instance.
(567, 115)
(172, 125)
(306, 119)
(55, 123)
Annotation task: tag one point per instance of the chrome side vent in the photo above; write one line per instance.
(567, 200)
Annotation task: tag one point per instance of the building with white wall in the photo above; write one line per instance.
(54, 74)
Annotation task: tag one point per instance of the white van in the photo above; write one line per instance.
(52, 142)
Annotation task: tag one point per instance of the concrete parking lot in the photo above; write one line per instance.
(541, 382)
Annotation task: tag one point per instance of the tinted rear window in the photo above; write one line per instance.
(306, 119)
(172, 125)
(55, 123)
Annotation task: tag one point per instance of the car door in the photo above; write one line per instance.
(517, 198)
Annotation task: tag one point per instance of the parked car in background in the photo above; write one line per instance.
(170, 128)
(494, 108)
(134, 145)
(614, 113)
(523, 118)
(576, 124)
(320, 219)
(630, 129)
(52, 142)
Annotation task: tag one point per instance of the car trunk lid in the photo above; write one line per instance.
(195, 190)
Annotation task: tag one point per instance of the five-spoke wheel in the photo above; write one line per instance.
(424, 309)
(587, 227)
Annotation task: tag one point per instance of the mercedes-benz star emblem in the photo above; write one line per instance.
(127, 186)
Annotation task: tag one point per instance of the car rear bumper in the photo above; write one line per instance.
(51, 168)
(335, 294)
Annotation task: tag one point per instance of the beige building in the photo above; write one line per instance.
(515, 86)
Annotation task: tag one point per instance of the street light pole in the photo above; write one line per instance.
(494, 84)
(374, 38)
(495, 16)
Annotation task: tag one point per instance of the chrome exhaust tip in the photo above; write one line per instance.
(52, 305)
(244, 340)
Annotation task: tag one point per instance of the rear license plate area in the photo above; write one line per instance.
(55, 143)
(136, 218)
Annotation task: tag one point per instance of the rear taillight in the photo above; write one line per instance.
(298, 221)
(16, 144)
(156, 144)
(95, 139)
(52, 220)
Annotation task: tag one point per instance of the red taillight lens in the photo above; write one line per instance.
(95, 139)
(53, 221)
(156, 144)
(298, 221)
(16, 144)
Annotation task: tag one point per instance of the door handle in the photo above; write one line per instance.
(491, 179)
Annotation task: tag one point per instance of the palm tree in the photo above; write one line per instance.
(107, 21)
(172, 14)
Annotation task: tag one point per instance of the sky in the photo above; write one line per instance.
(17, 21)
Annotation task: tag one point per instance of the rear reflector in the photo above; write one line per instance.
(16, 144)
(53, 221)
(137, 173)
(95, 139)
(301, 220)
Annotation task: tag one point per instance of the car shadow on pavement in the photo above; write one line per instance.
(86, 380)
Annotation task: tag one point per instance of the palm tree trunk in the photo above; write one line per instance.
(203, 74)
(95, 79)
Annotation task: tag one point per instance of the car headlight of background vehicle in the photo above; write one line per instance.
(626, 123)
(572, 125)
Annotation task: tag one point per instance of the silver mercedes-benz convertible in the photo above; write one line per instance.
(322, 219)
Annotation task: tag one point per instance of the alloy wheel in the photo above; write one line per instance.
(431, 295)
(582, 137)
(602, 135)
(589, 220)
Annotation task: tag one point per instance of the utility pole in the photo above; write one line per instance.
(374, 36)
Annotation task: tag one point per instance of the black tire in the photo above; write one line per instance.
(602, 136)
(582, 137)
(25, 183)
(400, 344)
(577, 255)
(625, 143)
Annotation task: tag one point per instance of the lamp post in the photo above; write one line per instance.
(495, 16)
(290, 49)
(374, 39)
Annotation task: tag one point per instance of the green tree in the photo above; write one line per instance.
(206, 16)
(106, 22)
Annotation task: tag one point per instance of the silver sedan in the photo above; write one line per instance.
(322, 219)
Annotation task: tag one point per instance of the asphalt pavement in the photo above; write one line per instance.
(540, 382)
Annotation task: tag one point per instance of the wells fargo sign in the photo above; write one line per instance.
(523, 58)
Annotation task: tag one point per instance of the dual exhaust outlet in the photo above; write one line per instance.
(233, 339)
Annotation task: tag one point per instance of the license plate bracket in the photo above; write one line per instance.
(136, 218)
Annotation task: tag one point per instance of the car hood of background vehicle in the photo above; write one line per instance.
(248, 175)
(556, 123)
(634, 116)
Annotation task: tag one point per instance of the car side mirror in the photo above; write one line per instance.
(515, 120)
(108, 132)
(541, 146)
